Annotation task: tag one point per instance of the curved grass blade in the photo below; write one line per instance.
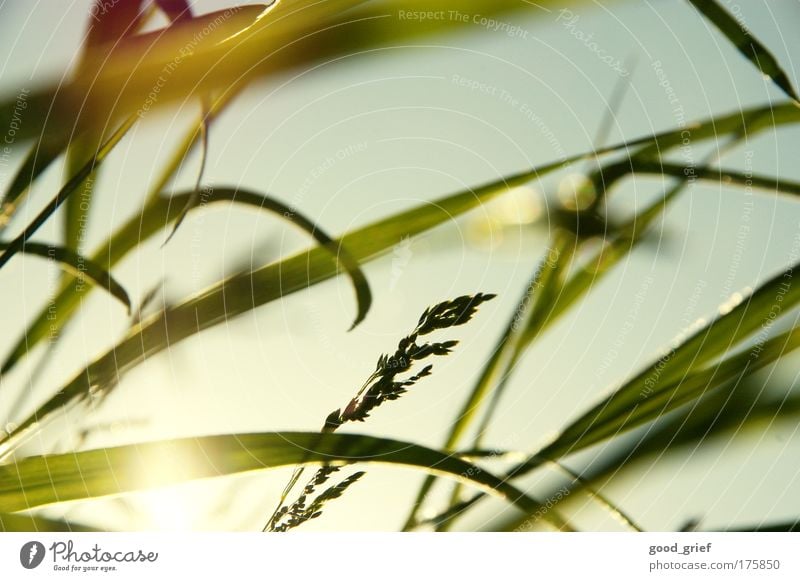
(43, 480)
(195, 195)
(336, 248)
(167, 210)
(80, 267)
(58, 312)
(244, 292)
(752, 49)
(66, 191)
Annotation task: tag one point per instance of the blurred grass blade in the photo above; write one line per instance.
(269, 40)
(729, 328)
(52, 318)
(752, 49)
(65, 192)
(792, 526)
(108, 25)
(714, 174)
(203, 128)
(501, 359)
(43, 480)
(245, 41)
(659, 403)
(337, 250)
(732, 410)
(39, 159)
(80, 267)
(696, 385)
(244, 292)
(266, 284)
(16, 523)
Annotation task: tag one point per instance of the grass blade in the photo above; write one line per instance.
(80, 267)
(660, 403)
(792, 526)
(193, 199)
(65, 192)
(737, 407)
(752, 49)
(714, 339)
(693, 387)
(500, 361)
(16, 523)
(43, 480)
(244, 292)
(256, 288)
(64, 304)
(39, 159)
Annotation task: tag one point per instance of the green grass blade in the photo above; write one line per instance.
(505, 354)
(752, 49)
(735, 408)
(157, 215)
(44, 480)
(39, 159)
(66, 191)
(792, 526)
(64, 304)
(695, 386)
(712, 340)
(721, 175)
(75, 216)
(244, 292)
(20, 523)
(264, 202)
(80, 267)
(209, 308)
(614, 420)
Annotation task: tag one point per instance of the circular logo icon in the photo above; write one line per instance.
(31, 554)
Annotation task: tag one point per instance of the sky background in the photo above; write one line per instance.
(364, 137)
